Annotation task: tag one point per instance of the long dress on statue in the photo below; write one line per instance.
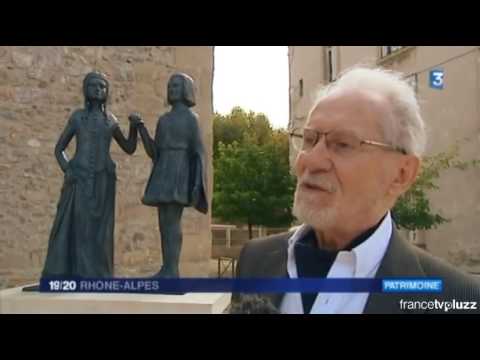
(81, 238)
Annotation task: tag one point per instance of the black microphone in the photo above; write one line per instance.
(253, 304)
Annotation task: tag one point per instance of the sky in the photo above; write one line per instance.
(253, 77)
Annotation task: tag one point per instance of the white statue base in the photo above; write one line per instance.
(16, 301)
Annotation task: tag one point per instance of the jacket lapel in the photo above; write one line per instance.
(400, 260)
(275, 266)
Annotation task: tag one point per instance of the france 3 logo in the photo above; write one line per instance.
(437, 79)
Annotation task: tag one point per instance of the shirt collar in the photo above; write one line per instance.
(368, 254)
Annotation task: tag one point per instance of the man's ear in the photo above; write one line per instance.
(407, 171)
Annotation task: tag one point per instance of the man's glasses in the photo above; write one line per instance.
(339, 142)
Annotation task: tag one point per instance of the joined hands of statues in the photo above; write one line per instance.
(135, 119)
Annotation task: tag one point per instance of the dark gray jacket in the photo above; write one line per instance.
(267, 257)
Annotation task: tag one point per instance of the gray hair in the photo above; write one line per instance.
(406, 128)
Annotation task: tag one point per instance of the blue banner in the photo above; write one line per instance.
(206, 285)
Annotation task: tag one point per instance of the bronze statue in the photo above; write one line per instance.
(178, 177)
(81, 239)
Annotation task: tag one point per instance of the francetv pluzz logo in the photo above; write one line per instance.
(412, 285)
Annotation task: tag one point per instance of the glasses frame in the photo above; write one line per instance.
(319, 134)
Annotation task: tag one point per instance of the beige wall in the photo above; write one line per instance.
(451, 114)
(39, 88)
(304, 57)
(301, 59)
(349, 56)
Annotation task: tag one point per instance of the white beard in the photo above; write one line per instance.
(312, 214)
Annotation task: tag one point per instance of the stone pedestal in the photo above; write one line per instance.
(15, 301)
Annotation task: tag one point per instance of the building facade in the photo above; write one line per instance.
(447, 82)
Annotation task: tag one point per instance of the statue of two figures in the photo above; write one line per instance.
(81, 240)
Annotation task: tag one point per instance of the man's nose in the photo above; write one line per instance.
(316, 159)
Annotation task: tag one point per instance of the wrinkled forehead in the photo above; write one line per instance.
(352, 109)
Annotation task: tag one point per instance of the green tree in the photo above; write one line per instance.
(412, 210)
(239, 124)
(229, 128)
(252, 180)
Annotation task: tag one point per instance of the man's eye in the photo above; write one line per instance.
(342, 145)
(309, 142)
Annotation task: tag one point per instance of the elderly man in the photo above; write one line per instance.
(359, 151)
